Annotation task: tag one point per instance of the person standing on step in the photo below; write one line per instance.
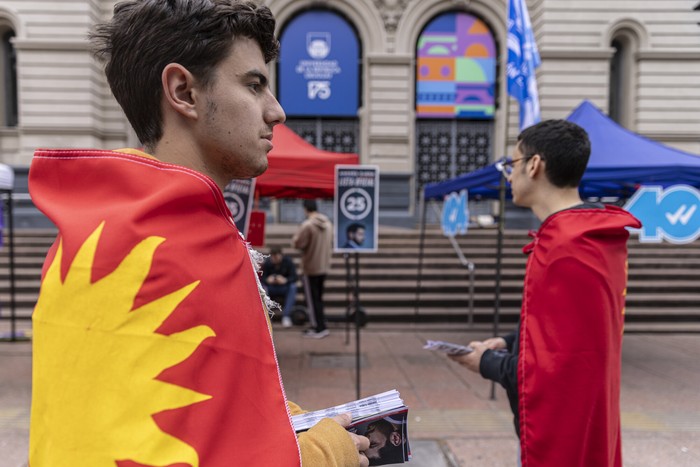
(315, 241)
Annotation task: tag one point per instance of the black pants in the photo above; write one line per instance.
(313, 291)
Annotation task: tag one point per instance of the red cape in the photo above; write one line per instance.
(245, 420)
(571, 337)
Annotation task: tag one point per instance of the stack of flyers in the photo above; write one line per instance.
(383, 418)
(447, 347)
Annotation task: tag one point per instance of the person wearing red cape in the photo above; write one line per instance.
(561, 368)
(152, 340)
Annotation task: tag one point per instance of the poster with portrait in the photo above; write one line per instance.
(356, 209)
(388, 437)
(238, 195)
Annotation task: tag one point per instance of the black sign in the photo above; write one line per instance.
(239, 199)
(356, 208)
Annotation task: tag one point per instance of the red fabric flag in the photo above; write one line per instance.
(151, 342)
(571, 338)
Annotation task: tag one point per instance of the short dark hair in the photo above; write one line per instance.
(354, 227)
(275, 250)
(563, 145)
(144, 36)
(310, 205)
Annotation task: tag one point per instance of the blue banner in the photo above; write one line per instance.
(523, 58)
(319, 66)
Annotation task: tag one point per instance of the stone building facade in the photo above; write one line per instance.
(639, 61)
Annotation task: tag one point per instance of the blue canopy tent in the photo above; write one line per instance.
(481, 183)
(620, 161)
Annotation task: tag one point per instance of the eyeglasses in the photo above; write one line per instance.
(506, 165)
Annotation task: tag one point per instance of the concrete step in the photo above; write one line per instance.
(662, 286)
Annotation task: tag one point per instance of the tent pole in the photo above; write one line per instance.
(423, 207)
(499, 256)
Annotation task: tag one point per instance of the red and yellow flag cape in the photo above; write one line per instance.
(151, 343)
(571, 339)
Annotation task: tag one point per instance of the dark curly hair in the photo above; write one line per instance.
(144, 36)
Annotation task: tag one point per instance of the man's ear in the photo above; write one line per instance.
(535, 166)
(395, 438)
(178, 89)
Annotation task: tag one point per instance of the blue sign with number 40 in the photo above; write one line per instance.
(670, 214)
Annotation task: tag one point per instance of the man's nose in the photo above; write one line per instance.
(275, 113)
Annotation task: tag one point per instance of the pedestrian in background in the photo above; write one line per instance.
(315, 241)
(561, 368)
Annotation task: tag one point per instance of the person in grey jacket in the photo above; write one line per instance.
(314, 239)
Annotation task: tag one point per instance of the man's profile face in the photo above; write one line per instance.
(236, 114)
(518, 178)
(358, 236)
(377, 440)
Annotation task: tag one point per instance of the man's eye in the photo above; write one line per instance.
(255, 86)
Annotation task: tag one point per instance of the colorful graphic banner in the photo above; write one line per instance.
(456, 69)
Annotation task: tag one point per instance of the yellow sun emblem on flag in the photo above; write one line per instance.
(96, 361)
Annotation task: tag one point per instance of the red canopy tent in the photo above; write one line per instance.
(296, 169)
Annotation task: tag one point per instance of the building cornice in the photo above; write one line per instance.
(9, 131)
(571, 53)
(53, 44)
(71, 130)
(576, 53)
(389, 139)
(393, 59)
(672, 137)
(672, 54)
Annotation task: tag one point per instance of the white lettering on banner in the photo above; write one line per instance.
(320, 89)
(318, 69)
(359, 181)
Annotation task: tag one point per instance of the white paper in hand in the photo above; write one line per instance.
(448, 347)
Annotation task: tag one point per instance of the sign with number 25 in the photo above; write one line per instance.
(355, 208)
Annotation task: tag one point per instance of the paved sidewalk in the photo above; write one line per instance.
(453, 421)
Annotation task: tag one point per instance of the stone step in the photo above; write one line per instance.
(662, 288)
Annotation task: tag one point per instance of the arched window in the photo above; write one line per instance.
(8, 75)
(456, 77)
(622, 84)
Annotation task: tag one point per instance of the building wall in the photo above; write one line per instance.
(62, 98)
(64, 101)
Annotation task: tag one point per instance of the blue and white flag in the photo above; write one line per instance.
(523, 58)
